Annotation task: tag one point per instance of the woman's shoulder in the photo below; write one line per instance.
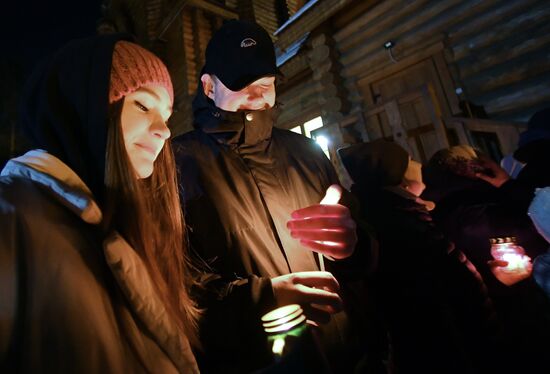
(30, 202)
(17, 192)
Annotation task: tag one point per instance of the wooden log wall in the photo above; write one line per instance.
(298, 104)
(294, 5)
(324, 62)
(153, 10)
(265, 14)
(497, 50)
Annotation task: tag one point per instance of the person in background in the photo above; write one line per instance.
(93, 278)
(470, 211)
(539, 212)
(433, 301)
(252, 194)
(534, 152)
(511, 165)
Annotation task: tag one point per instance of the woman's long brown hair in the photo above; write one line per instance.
(147, 213)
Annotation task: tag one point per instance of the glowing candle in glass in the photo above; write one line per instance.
(507, 249)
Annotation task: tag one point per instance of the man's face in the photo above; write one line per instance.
(258, 95)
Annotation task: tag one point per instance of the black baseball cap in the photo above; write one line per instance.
(239, 53)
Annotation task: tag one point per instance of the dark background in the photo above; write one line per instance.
(29, 32)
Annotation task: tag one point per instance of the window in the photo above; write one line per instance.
(310, 128)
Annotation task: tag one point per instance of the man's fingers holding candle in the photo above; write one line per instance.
(327, 227)
(316, 291)
(509, 277)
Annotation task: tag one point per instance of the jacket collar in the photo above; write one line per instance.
(235, 129)
(50, 172)
(127, 267)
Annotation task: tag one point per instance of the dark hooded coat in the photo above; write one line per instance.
(74, 299)
(469, 212)
(241, 180)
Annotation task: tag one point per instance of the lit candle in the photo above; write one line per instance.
(332, 197)
(506, 249)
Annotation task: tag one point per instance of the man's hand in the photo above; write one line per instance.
(315, 291)
(499, 175)
(326, 228)
(507, 277)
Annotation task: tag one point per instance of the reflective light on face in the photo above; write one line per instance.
(143, 123)
(258, 95)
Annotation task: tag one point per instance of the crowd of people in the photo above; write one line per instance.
(125, 251)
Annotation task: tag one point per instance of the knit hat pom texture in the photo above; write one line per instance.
(134, 67)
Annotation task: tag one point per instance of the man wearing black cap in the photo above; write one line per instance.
(251, 195)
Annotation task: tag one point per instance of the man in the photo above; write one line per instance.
(251, 195)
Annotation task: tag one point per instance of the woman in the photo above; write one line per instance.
(92, 260)
(430, 296)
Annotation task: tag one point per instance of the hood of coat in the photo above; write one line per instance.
(246, 128)
(375, 164)
(64, 107)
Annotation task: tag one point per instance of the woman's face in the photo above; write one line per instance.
(144, 116)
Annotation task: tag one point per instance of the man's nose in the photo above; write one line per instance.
(254, 93)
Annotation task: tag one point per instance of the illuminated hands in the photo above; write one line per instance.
(499, 175)
(315, 291)
(327, 227)
(510, 273)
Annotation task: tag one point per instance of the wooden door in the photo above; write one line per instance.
(412, 119)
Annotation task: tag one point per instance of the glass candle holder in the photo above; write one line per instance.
(507, 249)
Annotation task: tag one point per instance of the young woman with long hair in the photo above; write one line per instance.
(94, 275)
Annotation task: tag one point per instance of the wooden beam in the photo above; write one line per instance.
(447, 82)
(215, 9)
(355, 16)
(385, 24)
(510, 73)
(406, 62)
(171, 17)
(486, 18)
(511, 49)
(527, 96)
(505, 28)
(380, 59)
(413, 31)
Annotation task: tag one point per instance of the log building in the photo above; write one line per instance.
(425, 73)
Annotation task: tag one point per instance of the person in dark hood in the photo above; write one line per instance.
(534, 153)
(252, 197)
(93, 276)
(433, 301)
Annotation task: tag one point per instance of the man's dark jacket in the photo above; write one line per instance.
(241, 179)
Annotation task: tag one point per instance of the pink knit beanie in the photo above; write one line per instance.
(134, 67)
